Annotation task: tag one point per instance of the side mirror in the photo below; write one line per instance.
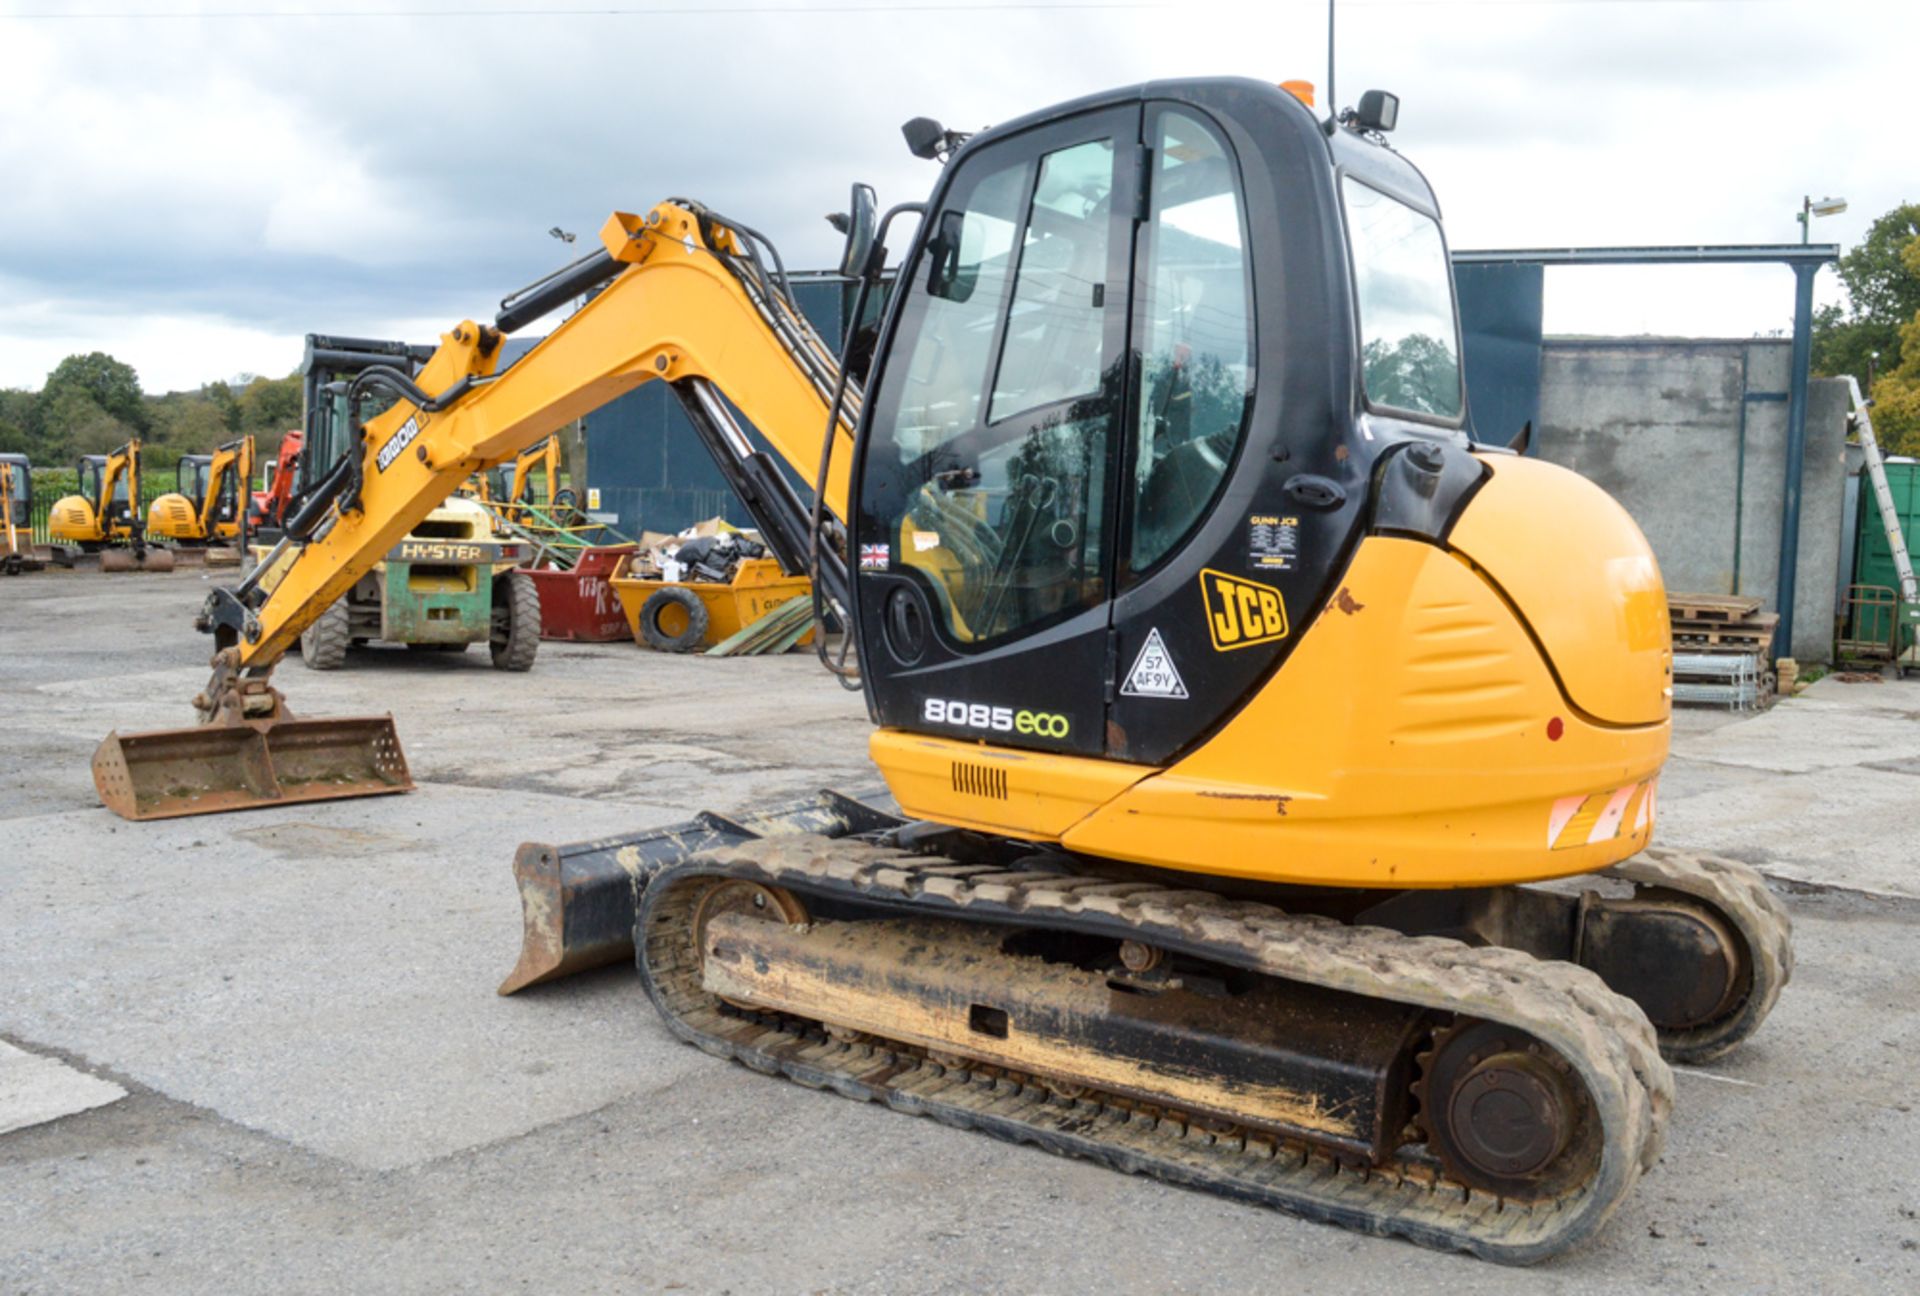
(862, 221)
(1378, 111)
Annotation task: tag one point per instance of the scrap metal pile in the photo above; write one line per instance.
(713, 586)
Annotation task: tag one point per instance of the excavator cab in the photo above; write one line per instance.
(93, 471)
(1169, 374)
(17, 550)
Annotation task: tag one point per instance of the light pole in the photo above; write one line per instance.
(576, 458)
(1873, 358)
(1809, 209)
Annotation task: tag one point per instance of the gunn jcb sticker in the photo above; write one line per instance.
(1241, 613)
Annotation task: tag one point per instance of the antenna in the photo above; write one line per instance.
(1333, 104)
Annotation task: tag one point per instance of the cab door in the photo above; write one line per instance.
(986, 491)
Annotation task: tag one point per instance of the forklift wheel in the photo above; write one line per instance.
(516, 622)
(323, 645)
(673, 620)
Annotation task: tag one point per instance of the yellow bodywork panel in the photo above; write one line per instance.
(1603, 623)
(1415, 738)
(1037, 795)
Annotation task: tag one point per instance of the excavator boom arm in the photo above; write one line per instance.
(235, 457)
(677, 308)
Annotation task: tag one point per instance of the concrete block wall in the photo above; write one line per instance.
(1690, 436)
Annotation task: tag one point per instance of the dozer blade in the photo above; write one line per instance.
(579, 900)
(152, 559)
(210, 769)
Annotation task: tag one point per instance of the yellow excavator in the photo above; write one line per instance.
(532, 478)
(103, 521)
(1275, 762)
(18, 553)
(208, 505)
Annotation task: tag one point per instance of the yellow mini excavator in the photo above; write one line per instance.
(531, 479)
(208, 505)
(103, 522)
(18, 553)
(1275, 761)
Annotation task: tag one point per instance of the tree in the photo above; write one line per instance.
(1883, 293)
(190, 423)
(1896, 394)
(16, 421)
(73, 423)
(269, 405)
(1418, 373)
(110, 385)
(221, 394)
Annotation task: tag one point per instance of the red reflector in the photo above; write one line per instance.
(1555, 727)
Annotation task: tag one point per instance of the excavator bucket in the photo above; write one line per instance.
(152, 559)
(213, 768)
(578, 900)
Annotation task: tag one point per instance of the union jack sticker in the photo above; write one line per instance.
(875, 557)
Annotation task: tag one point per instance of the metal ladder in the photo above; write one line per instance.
(1877, 474)
(1862, 422)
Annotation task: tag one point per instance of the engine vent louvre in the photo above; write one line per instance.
(980, 780)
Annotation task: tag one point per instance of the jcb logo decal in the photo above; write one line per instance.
(1241, 613)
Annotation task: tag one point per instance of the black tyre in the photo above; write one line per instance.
(516, 622)
(323, 645)
(673, 620)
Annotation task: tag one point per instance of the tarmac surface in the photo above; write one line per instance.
(324, 1093)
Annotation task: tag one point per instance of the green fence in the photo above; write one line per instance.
(50, 484)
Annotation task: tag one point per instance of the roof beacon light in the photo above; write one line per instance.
(1301, 90)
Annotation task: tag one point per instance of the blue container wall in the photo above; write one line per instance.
(649, 466)
(1500, 321)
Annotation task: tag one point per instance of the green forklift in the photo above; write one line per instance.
(450, 583)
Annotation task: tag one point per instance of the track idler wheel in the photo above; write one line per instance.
(1505, 1114)
(737, 896)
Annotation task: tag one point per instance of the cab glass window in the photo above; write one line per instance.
(1409, 350)
(1196, 335)
(998, 405)
(1051, 347)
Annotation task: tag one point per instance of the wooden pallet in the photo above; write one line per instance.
(1754, 635)
(1711, 607)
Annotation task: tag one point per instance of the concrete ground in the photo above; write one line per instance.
(324, 1092)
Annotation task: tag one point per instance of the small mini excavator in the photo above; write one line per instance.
(1275, 761)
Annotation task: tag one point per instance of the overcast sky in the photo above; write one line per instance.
(192, 187)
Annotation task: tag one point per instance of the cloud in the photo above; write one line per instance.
(195, 193)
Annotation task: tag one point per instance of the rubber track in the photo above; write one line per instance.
(1603, 1036)
(1741, 896)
